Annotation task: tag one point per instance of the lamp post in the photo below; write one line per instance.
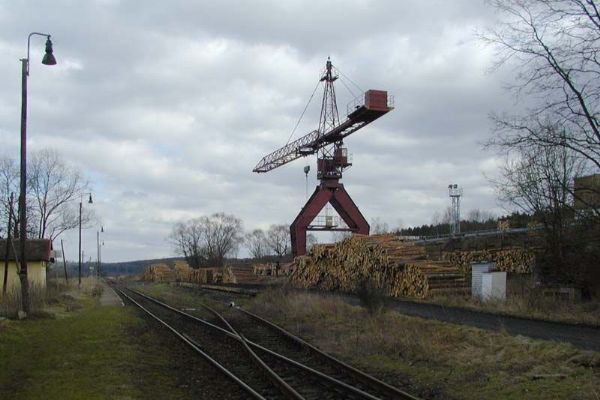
(306, 171)
(90, 201)
(47, 60)
(99, 249)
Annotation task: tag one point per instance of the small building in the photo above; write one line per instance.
(587, 192)
(39, 253)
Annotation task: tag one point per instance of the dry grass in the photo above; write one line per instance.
(55, 297)
(532, 305)
(436, 360)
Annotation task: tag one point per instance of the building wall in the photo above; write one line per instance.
(587, 192)
(36, 274)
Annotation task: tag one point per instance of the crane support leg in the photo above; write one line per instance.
(327, 192)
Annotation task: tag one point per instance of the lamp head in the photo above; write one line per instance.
(49, 56)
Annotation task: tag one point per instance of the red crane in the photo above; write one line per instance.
(332, 160)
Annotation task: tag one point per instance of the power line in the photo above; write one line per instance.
(302, 115)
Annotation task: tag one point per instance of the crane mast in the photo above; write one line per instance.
(332, 160)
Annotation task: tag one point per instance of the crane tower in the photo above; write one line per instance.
(332, 159)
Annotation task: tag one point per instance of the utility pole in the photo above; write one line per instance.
(8, 242)
(62, 247)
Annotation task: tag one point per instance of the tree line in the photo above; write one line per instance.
(208, 241)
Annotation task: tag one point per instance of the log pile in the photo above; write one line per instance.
(401, 267)
(270, 269)
(159, 273)
(181, 272)
(514, 259)
(186, 274)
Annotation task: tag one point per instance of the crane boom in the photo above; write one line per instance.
(375, 104)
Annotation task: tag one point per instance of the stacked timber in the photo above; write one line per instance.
(514, 259)
(401, 267)
(186, 274)
(159, 273)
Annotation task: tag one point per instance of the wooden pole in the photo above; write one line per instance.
(62, 246)
(8, 243)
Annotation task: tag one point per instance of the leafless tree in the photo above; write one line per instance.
(311, 240)
(338, 236)
(187, 241)
(539, 181)
(53, 188)
(256, 243)
(278, 239)
(554, 45)
(223, 233)
(207, 241)
(477, 215)
(9, 183)
(379, 227)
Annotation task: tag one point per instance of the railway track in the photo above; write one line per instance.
(264, 359)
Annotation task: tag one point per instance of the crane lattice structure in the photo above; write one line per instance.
(332, 160)
(455, 192)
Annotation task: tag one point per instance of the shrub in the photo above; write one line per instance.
(372, 295)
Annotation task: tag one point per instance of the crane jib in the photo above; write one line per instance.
(376, 103)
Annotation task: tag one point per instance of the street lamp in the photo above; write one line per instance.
(99, 249)
(90, 201)
(47, 60)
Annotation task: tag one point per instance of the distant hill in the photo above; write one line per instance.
(134, 267)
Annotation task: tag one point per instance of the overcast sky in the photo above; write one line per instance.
(166, 106)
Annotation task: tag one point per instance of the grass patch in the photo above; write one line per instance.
(183, 297)
(532, 305)
(434, 359)
(85, 352)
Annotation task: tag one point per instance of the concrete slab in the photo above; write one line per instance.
(109, 297)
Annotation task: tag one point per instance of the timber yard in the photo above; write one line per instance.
(171, 229)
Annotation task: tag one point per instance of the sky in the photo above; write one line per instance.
(167, 106)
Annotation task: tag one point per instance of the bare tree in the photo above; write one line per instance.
(539, 181)
(223, 234)
(207, 240)
(554, 45)
(52, 190)
(187, 240)
(9, 183)
(278, 239)
(53, 186)
(338, 236)
(379, 227)
(256, 243)
(311, 240)
(477, 215)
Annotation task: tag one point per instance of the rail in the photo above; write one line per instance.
(232, 333)
(391, 390)
(197, 349)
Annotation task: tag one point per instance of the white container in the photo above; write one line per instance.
(493, 286)
(477, 269)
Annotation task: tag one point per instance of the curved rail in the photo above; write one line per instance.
(342, 386)
(389, 389)
(198, 350)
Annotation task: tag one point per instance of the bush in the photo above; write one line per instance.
(372, 295)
